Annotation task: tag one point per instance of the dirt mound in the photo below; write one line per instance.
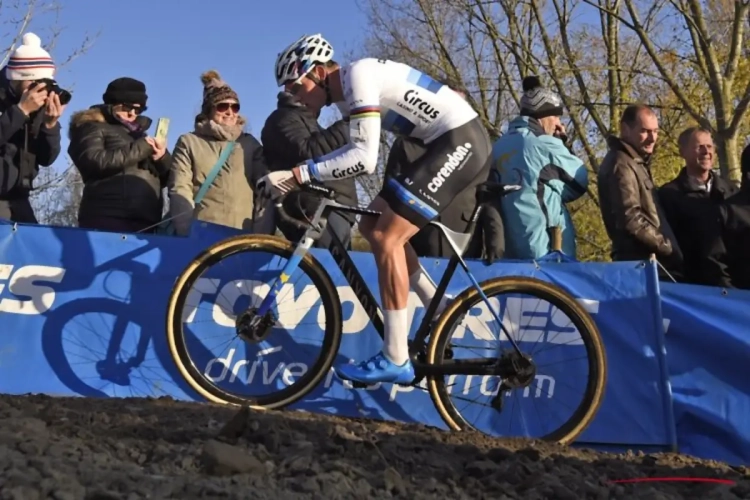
(75, 448)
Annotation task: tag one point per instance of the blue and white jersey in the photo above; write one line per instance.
(387, 95)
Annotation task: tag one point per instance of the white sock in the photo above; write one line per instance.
(424, 288)
(396, 338)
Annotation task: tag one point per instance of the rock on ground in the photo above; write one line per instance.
(108, 449)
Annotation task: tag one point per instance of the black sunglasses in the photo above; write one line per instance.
(223, 107)
(130, 107)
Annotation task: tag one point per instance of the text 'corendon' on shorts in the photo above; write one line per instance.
(456, 161)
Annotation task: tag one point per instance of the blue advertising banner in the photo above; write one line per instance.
(83, 313)
(708, 350)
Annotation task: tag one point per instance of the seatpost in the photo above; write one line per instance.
(475, 214)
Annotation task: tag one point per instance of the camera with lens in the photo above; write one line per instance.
(52, 86)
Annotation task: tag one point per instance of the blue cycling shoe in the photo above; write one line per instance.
(377, 369)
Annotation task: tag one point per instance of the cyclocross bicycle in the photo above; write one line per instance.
(433, 349)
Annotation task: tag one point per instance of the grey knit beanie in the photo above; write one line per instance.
(537, 101)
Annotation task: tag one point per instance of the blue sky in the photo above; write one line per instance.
(167, 44)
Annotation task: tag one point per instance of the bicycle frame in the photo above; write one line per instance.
(458, 242)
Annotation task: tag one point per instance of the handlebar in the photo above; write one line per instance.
(313, 188)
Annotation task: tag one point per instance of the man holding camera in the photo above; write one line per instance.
(31, 104)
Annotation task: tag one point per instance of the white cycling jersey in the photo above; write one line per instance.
(387, 95)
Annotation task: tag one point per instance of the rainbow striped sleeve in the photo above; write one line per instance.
(365, 112)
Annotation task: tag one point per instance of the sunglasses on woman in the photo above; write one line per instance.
(223, 107)
(129, 107)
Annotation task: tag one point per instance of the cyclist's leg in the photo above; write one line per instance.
(419, 280)
(367, 225)
(388, 236)
(387, 241)
(454, 161)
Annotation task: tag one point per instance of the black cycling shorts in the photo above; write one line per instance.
(455, 161)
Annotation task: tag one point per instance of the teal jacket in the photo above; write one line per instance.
(551, 177)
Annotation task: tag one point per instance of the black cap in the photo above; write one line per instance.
(125, 91)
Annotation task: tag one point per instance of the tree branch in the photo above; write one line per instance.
(582, 86)
(577, 125)
(735, 43)
(739, 112)
(637, 27)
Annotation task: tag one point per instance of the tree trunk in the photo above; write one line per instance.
(726, 151)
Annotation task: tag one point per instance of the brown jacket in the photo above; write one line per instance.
(229, 200)
(630, 207)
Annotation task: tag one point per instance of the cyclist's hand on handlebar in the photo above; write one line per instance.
(277, 184)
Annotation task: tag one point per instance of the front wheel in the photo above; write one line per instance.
(547, 321)
(268, 368)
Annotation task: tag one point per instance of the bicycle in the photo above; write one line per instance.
(431, 350)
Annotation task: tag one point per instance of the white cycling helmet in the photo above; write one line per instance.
(299, 58)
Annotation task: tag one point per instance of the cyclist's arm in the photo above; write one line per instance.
(360, 156)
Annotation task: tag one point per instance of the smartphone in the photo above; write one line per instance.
(162, 127)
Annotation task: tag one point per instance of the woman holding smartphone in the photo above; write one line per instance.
(123, 169)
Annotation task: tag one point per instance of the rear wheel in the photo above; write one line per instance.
(292, 378)
(457, 327)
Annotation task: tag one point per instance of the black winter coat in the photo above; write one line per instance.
(690, 212)
(25, 145)
(726, 242)
(735, 225)
(120, 180)
(292, 135)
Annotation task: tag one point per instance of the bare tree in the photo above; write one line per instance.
(57, 196)
(708, 38)
(19, 16)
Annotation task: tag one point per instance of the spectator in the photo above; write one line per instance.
(730, 249)
(123, 170)
(690, 201)
(230, 199)
(535, 218)
(29, 126)
(630, 208)
(292, 135)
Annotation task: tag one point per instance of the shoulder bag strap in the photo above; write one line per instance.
(213, 173)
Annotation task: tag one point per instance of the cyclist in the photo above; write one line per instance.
(377, 95)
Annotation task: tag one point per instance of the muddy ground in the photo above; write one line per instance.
(140, 448)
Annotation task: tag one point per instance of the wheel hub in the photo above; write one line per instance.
(522, 368)
(253, 328)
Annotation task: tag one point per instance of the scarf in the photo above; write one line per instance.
(220, 131)
(133, 127)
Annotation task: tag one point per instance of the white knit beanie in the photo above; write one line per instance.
(30, 61)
